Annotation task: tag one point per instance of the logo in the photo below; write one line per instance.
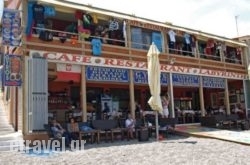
(46, 147)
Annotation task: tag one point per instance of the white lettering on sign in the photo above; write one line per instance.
(128, 64)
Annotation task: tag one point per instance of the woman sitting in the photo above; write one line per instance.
(73, 129)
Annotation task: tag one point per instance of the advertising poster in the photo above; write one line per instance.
(11, 28)
(106, 104)
(12, 70)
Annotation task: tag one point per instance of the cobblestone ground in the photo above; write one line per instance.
(175, 150)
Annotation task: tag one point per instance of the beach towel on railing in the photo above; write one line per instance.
(96, 46)
(157, 39)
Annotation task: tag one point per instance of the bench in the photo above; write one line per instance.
(222, 121)
(107, 127)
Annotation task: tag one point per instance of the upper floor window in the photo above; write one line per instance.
(233, 54)
(142, 38)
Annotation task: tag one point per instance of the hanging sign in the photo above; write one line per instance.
(107, 74)
(11, 27)
(185, 80)
(12, 70)
(213, 82)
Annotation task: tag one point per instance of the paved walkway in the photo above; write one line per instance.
(237, 136)
(7, 133)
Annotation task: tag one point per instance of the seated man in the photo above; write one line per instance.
(130, 125)
(59, 132)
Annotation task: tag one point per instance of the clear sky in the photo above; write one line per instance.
(212, 16)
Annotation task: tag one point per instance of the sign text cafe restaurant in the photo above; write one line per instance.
(194, 84)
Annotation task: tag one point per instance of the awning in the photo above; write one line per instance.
(68, 76)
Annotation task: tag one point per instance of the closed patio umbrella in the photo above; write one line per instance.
(154, 82)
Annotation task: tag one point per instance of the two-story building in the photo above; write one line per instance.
(77, 57)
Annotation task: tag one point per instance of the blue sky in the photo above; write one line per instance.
(212, 16)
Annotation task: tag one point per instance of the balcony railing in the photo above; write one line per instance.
(173, 56)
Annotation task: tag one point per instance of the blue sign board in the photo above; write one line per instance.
(94, 73)
(12, 70)
(11, 27)
(185, 80)
(213, 82)
(141, 77)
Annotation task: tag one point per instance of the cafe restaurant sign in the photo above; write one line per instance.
(129, 64)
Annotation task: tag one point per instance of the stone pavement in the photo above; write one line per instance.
(7, 132)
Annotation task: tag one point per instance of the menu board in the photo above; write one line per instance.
(213, 82)
(185, 80)
(11, 28)
(94, 73)
(141, 77)
(12, 70)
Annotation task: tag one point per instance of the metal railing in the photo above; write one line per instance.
(140, 47)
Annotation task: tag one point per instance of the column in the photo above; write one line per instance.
(83, 94)
(227, 98)
(202, 107)
(25, 74)
(131, 92)
(171, 93)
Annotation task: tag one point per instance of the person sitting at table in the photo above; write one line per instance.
(73, 129)
(221, 110)
(239, 111)
(59, 132)
(130, 125)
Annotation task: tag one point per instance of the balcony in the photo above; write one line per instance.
(201, 61)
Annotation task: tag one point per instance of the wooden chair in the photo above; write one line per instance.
(92, 135)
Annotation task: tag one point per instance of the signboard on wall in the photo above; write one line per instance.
(129, 64)
(94, 73)
(185, 80)
(68, 68)
(141, 77)
(11, 27)
(12, 70)
(213, 82)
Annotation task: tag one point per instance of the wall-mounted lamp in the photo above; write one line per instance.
(172, 61)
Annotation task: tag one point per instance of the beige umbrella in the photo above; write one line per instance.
(154, 82)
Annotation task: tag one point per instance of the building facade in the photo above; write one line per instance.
(77, 57)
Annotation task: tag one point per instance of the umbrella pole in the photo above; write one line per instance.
(156, 126)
